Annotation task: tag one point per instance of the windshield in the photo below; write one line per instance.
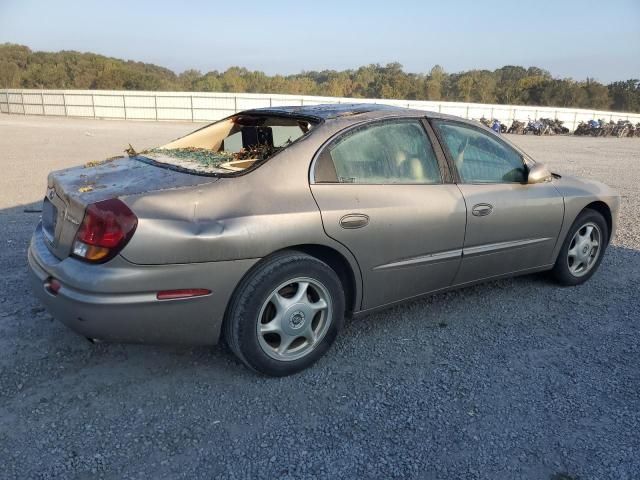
(233, 144)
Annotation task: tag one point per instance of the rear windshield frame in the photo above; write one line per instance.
(316, 121)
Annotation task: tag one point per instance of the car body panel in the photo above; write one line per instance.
(519, 232)
(578, 193)
(117, 301)
(412, 243)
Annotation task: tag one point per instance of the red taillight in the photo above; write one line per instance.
(106, 228)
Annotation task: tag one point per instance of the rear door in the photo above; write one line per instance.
(511, 226)
(383, 193)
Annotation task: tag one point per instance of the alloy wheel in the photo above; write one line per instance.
(294, 319)
(584, 249)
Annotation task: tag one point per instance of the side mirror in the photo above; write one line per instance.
(538, 173)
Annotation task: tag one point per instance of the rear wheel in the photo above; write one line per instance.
(286, 314)
(582, 250)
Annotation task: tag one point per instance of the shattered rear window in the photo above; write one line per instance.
(233, 144)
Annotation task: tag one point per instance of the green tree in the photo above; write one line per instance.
(597, 95)
(463, 86)
(189, 78)
(9, 75)
(508, 90)
(625, 96)
(435, 83)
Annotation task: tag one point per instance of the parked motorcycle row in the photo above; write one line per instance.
(543, 126)
(600, 128)
(548, 126)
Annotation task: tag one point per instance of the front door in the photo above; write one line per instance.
(511, 226)
(381, 193)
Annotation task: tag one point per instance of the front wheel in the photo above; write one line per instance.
(582, 250)
(286, 314)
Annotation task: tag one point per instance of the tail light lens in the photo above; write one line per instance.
(106, 228)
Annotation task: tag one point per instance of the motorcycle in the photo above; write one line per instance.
(622, 128)
(498, 127)
(516, 128)
(555, 126)
(486, 122)
(536, 127)
(582, 129)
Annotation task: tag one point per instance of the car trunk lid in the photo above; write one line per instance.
(70, 191)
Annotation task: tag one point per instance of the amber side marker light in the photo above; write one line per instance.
(182, 293)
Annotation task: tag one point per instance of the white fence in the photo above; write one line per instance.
(205, 106)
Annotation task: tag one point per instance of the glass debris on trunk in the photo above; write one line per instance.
(205, 159)
(232, 144)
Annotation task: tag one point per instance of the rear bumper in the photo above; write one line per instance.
(117, 301)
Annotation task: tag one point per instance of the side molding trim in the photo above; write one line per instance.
(457, 253)
(500, 246)
(433, 258)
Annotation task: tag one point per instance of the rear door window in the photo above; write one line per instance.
(389, 152)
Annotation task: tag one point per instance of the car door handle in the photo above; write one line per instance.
(482, 209)
(354, 220)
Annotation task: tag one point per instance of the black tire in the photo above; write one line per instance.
(561, 272)
(241, 319)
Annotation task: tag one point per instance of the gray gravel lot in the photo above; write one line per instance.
(512, 379)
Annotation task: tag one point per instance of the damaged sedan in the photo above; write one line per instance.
(270, 227)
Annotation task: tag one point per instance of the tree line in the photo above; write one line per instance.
(20, 67)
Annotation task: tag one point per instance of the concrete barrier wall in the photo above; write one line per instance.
(207, 106)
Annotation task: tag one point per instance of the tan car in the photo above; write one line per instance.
(271, 226)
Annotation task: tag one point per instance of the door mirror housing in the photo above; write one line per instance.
(538, 173)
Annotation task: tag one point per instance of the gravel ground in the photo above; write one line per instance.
(513, 379)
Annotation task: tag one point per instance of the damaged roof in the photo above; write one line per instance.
(329, 110)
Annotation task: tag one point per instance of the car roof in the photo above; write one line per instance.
(332, 111)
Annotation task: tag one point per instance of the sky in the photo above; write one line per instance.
(579, 39)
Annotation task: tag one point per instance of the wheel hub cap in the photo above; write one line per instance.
(294, 318)
(584, 249)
